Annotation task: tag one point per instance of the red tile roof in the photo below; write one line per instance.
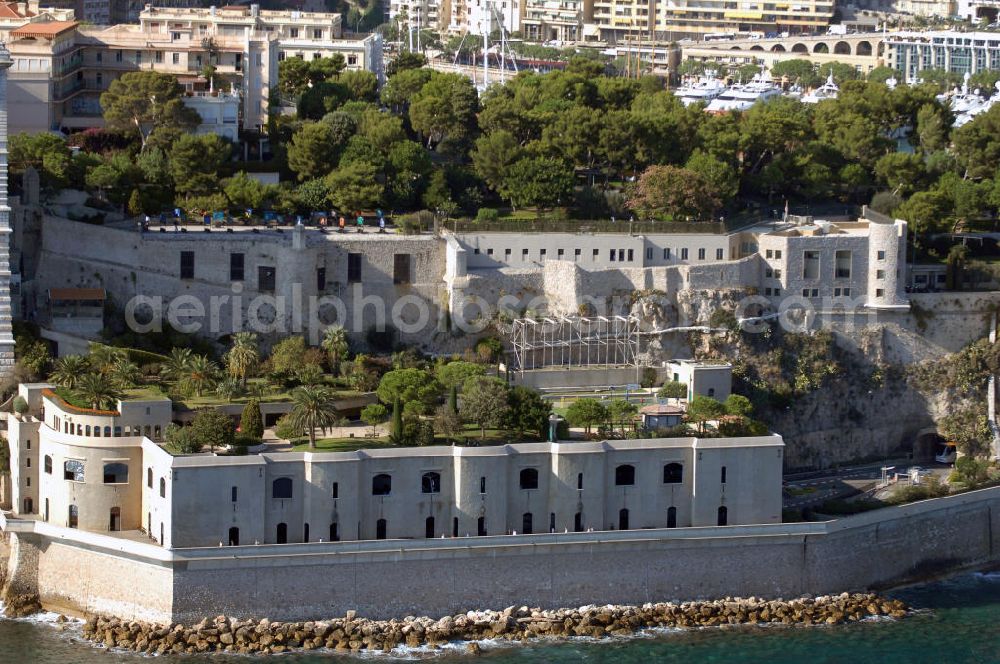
(45, 30)
(11, 10)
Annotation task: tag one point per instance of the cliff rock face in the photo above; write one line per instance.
(844, 392)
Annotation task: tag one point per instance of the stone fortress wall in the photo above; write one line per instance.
(81, 572)
(453, 277)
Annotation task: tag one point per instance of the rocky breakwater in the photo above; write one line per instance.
(353, 633)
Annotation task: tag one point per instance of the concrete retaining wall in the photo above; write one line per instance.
(392, 578)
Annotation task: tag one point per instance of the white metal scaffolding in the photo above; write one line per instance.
(574, 341)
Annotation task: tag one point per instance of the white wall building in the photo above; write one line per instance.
(102, 471)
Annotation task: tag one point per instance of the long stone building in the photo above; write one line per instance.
(426, 288)
(103, 471)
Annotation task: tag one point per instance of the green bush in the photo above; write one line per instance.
(648, 377)
(286, 430)
(251, 421)
(487, 214)
(20, 405)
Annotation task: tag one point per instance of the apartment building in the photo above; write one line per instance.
(615, 21)
(458, 16)
(63, 66)
(959, 52)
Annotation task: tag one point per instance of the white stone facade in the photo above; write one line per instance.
(6, 333)
(101, 472)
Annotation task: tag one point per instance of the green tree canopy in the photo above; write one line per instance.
(312, 152)
(213, 428)
(484, 402)
(669, 191)
(586, 413)
(410, 386)
(142, 101)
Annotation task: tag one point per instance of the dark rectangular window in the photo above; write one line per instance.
(401, 269)
(187, 265)
(233, 493)
(236, 267)
(336, 489)
(701, 254)
(649, 253)
(265, 279)
(612, 255)
(321, 278)
(684, 254)
(723, 474)
(353, 268)
(631, 255)
(482, 485)
(718, 254)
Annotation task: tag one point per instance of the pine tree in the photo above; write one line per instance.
(251, 421)
(396, 432)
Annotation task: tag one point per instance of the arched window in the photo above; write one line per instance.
(428, 527)
(334, 533)
(73, 470)
(163, 488)
(625, 475)
(673, 473)
(381, 526)
(281, 487)
(711, 392)
(481, 526)
(97, 432)
(672, 517)
(115, 473)
(430, 483)
(723, 516)
(115, 523)
(526, 523)
(578, 522)
(282, 533)
(47, 463)
(107, 432)
(149, 477)
(529, 478)
(234, 536)
(623, 519)
(86, 430)
(382, 485)
(74, 516)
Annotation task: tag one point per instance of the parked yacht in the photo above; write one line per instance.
(703, 89)
(740, 97)
(828, 90)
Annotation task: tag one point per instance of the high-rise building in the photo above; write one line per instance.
(6, 333)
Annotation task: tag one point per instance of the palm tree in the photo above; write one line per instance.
(229, 389)
(125, 374)
(177, 364)
(335, 344)
(98, 390)
(313, 408)
(69, 370)
(243, 357)
(102, 358)
(200, 375)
